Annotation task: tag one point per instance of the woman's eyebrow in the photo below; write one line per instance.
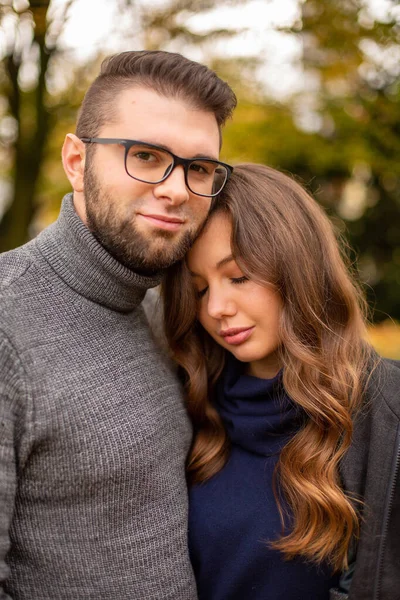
(224, 261)
(219, 264)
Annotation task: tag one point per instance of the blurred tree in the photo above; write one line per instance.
(29, 41)
(341, 135)
(352, 56)
(29, 49)
(170, 22)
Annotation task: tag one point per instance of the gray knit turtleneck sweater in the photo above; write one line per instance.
(93, 432)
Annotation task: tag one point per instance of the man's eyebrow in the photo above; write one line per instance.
(219, 264)
(196, 156)
(207, 156)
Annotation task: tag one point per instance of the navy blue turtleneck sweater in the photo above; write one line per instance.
(234, 514)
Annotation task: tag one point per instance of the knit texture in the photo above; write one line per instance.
(93, 431)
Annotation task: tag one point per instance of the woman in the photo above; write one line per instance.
(293, 471)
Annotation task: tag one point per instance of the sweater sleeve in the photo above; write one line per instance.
(10, 396)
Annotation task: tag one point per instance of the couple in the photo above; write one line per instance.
(287, 427)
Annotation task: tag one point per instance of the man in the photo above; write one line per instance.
(93, 431)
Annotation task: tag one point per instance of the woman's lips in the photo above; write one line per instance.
(236, 336)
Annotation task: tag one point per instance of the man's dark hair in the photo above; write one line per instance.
(169, 74)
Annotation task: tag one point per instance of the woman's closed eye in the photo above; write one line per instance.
(201, 293)
(241, 279)
(234, 280)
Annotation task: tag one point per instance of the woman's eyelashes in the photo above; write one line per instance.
(241, 279)
(234, 280)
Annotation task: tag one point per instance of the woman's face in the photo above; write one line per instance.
(238, 313)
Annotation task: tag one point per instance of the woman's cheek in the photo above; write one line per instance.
(203, 316)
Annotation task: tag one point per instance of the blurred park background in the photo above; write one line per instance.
(318, 83)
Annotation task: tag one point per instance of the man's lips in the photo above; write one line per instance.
(236, 335)
(163, 221)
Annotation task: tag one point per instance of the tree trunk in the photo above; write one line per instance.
(14, 226)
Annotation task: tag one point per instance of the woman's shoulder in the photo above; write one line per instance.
(384, 384)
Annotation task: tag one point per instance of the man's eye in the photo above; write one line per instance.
(202, 169)
(145, 156)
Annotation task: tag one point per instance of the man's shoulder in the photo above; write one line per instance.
(19, 284)
(153, 309)
(14, 264)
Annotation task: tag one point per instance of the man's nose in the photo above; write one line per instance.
(173, 188)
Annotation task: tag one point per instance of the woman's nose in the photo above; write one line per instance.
(220, 305)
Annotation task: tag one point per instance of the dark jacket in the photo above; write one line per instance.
(371, 471)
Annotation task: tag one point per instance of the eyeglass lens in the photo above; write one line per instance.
(151, 165)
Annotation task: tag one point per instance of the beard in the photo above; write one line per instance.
(118, 234)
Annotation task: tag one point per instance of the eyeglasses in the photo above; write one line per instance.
(151, 164)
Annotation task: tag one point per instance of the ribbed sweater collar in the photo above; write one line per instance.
(257, 413)
(83, 264)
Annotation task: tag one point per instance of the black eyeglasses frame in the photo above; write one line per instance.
(177, 161)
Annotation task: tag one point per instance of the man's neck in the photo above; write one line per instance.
(78, 200)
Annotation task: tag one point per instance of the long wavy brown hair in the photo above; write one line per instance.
(281, 236)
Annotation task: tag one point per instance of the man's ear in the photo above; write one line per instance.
(73, 159)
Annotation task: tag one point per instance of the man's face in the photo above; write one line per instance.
(145, 226)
